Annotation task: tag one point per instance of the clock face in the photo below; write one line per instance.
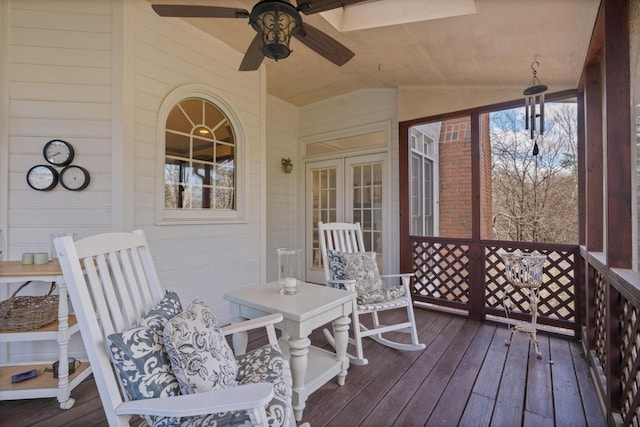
(42, 177)
(58, 152)
(74, 178)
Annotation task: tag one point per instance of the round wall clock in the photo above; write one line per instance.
(74, 178)
(42, 177)
(58, 152)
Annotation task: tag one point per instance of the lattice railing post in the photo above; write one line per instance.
(613, 366)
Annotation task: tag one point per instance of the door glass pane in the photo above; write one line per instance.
(367, 205)
(324, 204)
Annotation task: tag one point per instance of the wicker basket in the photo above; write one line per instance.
(27, 313)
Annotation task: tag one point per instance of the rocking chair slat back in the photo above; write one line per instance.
(106, 305)
(112, 284)
(343, 238)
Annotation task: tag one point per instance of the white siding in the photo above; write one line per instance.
(59, 84)
(94, 73)
(57, 71)
(356, 110)
(284, 193)
(197, 261)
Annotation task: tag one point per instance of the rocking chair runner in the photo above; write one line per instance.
(114, 287)
(338, 239)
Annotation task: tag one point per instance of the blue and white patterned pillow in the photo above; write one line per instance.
(363, 268)
(168, 307)
(200, 356)
(336, 266)
(140, 359)
(143, 367)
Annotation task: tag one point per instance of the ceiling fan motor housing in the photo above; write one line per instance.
(276, 21)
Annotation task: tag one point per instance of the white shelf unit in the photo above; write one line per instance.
(44, 385)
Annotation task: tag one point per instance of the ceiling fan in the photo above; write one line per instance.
(275, 22)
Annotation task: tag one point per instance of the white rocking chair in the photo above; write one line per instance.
(113, 285)
(339, 238)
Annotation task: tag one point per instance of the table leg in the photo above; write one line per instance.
(298, 349)
(341, 335)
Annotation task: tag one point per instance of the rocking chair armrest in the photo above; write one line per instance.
(246, 325)
(403, 275)
(406, 280)
(268, 322)
(350, 284)
(247, 396)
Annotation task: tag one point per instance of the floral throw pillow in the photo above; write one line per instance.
(200, 356)
(363, 268)
(264, 364)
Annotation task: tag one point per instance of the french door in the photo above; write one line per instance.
(349, 189)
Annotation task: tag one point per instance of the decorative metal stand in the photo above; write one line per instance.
(524, 271)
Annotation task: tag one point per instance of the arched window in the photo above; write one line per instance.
(201, 160)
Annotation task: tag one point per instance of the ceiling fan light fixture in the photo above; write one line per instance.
(276, 21)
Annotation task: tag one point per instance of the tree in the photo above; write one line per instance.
(535, 197)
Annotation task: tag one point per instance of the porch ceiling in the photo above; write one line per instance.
(492, 47)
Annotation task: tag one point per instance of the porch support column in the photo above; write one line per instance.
(618, 134)
(476, 251)
(618, 246)
(594, 158)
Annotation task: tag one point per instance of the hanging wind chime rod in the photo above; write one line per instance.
(534, 95)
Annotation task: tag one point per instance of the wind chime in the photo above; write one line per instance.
(534, 106)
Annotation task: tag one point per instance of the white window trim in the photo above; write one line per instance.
(166, 216)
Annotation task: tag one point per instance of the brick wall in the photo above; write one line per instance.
(455, 178)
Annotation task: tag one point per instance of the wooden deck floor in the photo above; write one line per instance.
(466, 376)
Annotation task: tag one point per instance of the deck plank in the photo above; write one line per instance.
(402, 391)
(509, 409)
(466, 376)
(539, 395)
(593, 407)
(451, 405)
(357, 410)
(361, 377)
(421, 405)
(566, 394)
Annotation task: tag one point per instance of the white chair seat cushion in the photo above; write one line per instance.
(200, 356)
(140, 359)
(264, 364)
(386, 305)
(380, 295)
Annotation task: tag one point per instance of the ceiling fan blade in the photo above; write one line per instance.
(190, 11)
(324, 45)
(254, 56)
(309, 7)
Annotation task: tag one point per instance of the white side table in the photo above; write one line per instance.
(44, 385)
(312, 307)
